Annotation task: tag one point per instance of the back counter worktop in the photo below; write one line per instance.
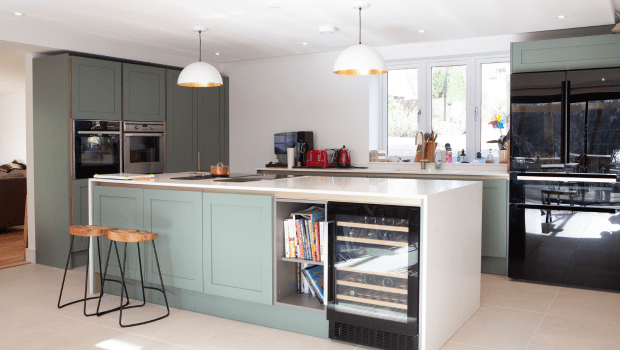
(221, 253)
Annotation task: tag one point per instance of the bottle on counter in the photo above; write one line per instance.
(448, 153)
(463, 157)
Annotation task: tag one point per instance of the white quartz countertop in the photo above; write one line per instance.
(312, 187)
(396, 172)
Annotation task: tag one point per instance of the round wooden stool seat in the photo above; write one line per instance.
(131, 236)
(89, 230)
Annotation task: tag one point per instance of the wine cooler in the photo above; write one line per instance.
(373, 289)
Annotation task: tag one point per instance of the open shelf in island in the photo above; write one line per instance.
(285, 269)
(303, 261)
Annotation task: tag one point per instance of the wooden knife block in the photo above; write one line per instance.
(429, 152)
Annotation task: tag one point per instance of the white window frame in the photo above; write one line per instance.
(473, 104)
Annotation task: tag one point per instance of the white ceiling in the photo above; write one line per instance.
(253, 29)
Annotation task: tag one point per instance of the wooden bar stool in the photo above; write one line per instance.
(135, 236)
(87, 231)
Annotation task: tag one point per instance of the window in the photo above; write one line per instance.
(455, 99)
(494, 101)
(402, 110)
(449, 105)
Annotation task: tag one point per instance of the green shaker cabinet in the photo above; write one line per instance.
(79, 203)
(213, 125)
(144, 93)
(238, 250)
(586, 52)
(121, 208)
(181, 136)
(176, 216)
(95, 89)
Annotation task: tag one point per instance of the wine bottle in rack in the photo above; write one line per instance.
(387, 282)
(369, 279)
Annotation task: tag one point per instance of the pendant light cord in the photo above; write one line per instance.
(360, 25)
(200, 46)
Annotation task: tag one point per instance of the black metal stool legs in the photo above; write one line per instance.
(104, 278)
(162, 290)
(86, 283)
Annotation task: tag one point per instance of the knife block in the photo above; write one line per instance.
(429, 152)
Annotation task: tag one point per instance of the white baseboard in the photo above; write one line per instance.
(31, 255)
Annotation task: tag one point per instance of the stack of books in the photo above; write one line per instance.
(305, 234)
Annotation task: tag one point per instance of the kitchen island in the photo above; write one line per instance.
(220, 245)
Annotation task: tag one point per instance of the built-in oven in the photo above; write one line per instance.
(143, 147)
(565, 229)
(96, 148)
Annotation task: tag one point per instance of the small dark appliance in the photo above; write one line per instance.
(344, 158)
(284, 140)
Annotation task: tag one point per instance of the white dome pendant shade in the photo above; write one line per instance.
(200, 74)
(360, 59)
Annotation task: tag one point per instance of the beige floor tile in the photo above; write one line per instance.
(516, 295)
(181, 327)
(455, 346)
(569, 333)
(499, 328)
(248, 336)
(23, 326)
(98, 337)
(595, 305)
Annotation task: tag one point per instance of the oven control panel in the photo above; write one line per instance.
(143, 127)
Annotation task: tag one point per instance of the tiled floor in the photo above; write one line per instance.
(513, 315)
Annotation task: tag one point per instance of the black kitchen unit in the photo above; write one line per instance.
(564, 190)
(373, 292)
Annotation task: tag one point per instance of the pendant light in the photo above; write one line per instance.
(200, 74)
(360, 59)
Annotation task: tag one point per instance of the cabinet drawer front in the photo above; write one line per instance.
(238, 246)
(121, 208)
(144, 93)
(176, 217)
(95, 89)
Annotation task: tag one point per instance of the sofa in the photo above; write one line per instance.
(12, 198)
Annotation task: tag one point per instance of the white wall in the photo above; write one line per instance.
(294, 93)
(301, 93)
(13, 128)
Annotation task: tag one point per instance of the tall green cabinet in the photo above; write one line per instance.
(197, 125)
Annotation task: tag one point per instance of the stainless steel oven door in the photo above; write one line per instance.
(143, 153)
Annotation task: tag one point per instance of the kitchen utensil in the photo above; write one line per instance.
(344, 158)
(220, 170)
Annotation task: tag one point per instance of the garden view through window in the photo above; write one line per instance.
(403, 110)
(449, 106)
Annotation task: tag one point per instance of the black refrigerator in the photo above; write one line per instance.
(373, 261)
(564, 190)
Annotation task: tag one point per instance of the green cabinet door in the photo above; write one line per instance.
(95, 89)
(122, 208)
(144, 93)
(79, 204)
(213, 125)
(176, 216)
(237, 240)
(494, 218)
(209, 126)
(181, 125)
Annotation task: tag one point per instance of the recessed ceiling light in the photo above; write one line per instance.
(421, 31)
(304, 43)
(561, 17)
(217, 54)
(18, 13)
(327, 29)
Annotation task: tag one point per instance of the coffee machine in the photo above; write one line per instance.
(302, 141)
